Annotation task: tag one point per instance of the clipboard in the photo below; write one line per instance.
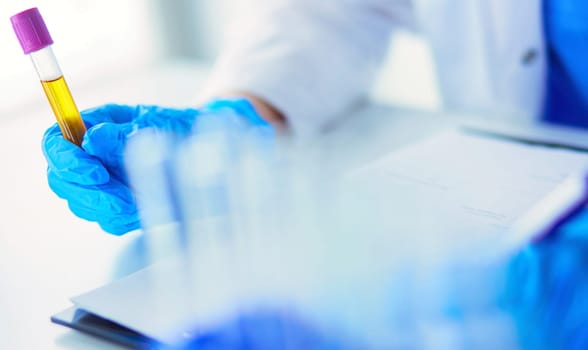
(128, 311)
(99, 327)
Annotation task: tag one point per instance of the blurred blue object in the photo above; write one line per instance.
(268, 330)
(547, 291)
(541, 294)
(93, 180)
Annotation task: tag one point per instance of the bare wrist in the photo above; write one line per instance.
(265, 110)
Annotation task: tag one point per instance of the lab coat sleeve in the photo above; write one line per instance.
(311, 59)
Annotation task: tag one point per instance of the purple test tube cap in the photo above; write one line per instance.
(31, 30)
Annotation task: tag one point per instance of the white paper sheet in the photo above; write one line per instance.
(457, 184)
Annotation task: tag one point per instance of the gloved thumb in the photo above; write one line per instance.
(107, 141)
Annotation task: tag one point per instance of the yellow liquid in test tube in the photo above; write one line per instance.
(65, 110)
(35, 40)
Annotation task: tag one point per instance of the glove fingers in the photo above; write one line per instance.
(116, 225)
(110, 113)
(111, 206)
(70, 162)
(107, 141)
(175, 121)
(103, 201)
(120, 229)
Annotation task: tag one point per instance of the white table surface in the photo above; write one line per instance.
(48, 255)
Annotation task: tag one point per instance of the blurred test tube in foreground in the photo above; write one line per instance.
(278, 238)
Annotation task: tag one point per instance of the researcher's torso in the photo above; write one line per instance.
(511, 59)
(490, 54)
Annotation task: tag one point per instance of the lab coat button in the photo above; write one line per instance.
(529, 57)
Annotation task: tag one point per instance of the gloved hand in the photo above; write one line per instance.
(92, 178)
(547, 288)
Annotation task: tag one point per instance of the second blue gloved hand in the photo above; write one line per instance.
(547, 288)
(92, 178)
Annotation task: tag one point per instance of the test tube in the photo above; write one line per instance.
(36, 42)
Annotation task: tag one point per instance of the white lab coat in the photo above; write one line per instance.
(314, 59)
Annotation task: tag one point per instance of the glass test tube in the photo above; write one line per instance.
(36, 42)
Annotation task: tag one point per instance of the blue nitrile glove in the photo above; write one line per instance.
(92, 178)
(548, 289)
